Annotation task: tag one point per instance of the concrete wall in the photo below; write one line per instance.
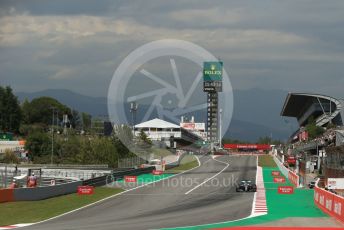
(6, 195)
(281, 167)
(40, 193)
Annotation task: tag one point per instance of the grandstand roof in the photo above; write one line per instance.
(157, 123)
(304, 105)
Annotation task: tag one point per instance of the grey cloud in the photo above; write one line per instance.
(310, 57)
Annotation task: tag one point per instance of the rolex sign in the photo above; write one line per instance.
(212, 71)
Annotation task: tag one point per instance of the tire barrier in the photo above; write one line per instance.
(329, 203)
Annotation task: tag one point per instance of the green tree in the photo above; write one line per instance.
(144, 139)
(86, 121)
(75, 119)
(38, 144)
(10, 157)
(68, 149)
(268, 140)
(40, 110)
(234, 141)
(264, 140)
(312, 129)
(10, 112)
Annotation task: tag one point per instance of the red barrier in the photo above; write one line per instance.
(330, 203)
(6, 195)
(294, 179)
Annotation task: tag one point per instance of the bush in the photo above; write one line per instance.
(10, 157)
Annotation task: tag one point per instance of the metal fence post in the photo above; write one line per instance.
(5, 176)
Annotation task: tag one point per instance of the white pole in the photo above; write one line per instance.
(52, 139)
(220, 128)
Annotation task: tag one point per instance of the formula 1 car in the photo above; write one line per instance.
(246, 186)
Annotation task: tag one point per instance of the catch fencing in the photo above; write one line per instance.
(107, 179)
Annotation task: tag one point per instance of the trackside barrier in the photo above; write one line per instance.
(329, 203)
(38, 193)
(294, 179)
(41, 193)
(176, 163)
(281, 167)
(103, 180)
(6, 195)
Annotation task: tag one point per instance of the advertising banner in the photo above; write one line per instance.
(279, 180)
(157, 172)
(212, 71)
(285, 189)
(335, 183)
(188, 125)
(275, 173)
(247, 146)
(129, 179)
(330, 203)
(85, 190)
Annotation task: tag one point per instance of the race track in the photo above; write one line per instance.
(201, 196)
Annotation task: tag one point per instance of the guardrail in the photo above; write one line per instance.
(329, 202)
(40, 193)
(294, 179)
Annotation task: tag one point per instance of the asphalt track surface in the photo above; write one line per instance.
(201, 196)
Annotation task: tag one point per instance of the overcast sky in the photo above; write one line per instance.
(78, 44)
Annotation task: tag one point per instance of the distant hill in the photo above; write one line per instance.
(256, 111)
(93, 105)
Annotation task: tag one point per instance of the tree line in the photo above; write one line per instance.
(34, 121)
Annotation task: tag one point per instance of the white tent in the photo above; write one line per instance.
(157, 123)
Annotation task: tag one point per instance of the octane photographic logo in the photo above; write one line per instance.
(150, 77)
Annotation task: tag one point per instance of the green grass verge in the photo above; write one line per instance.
(34, 211)
(299, 204)
(188, 162)
(266, 161)
(160, 152)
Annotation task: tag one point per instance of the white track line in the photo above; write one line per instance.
(227, 165)
(259, 206)
(107, 198)
(255, 194)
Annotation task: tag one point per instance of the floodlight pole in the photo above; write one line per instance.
(220, 128)
(133, 109)
(52, 137)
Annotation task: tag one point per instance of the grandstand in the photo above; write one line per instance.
(327, 112)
